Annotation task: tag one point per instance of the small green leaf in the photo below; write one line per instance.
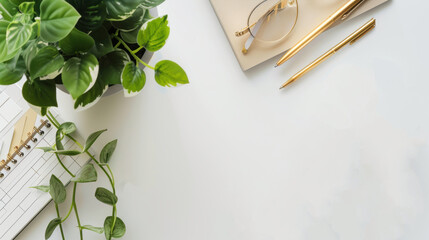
(46, 149)
(40, 93)
(58, 137)
(133, 79)
(68, 128)
(46, 61)
(79, 74)
(103, 43)
(107, 151)
(92, 138)
(86, 174)
(98, 230)
(18, 34)
(76, 42)
(169, 73)
(58, 19)
(67, 152)
(42, 188)
(154, 33)
(27, 8)
(118, 230)
(105, 196)
(57, 190)
(132, 22)
(53, 224)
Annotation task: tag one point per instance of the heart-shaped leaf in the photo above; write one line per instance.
(86, 174)
(93, 13)
(79, 74)
(47, 60)
(133, 79)
(40, 93)
(92, 138)
(76, 42)
(169, 73)
(118, 230)
(154, 33)
(105, 196)
(107, 151)
(58, 19)
(57, 190)
(67, 128)
(17, 34)
(53, 224)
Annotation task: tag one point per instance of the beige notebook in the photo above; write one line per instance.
(233, 16)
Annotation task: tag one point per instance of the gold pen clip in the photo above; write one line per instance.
(368, 28)
(352, 10)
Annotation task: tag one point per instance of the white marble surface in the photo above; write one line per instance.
(342, 154)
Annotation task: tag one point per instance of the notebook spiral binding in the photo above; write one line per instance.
(12, 158)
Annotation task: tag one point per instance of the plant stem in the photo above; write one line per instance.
(61, 226)
(133, 54)
(75, 211)
(109, 176)
(137, 50)
(68, 214)
(62, 164)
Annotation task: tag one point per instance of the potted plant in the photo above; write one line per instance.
(86, 46)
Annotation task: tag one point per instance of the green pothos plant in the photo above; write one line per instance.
(86, 45)
(113, 226)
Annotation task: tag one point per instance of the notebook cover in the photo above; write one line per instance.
(233, 16)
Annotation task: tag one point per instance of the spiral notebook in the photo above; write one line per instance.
(22, 165)
(233, 16)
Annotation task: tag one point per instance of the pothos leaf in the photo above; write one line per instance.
(53, 224)
(79, 74)
(118, 230)
(133, 79)
(58, 19)
(169, 73)
(57, 190)
(40, 93)
(154, 33)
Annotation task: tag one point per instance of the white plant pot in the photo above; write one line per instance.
(118, 87)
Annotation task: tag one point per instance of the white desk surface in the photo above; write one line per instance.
(341, 154)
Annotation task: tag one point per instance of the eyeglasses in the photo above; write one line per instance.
(270, 21)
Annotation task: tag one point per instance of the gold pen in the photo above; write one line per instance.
(342, 13)
(350, 39)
